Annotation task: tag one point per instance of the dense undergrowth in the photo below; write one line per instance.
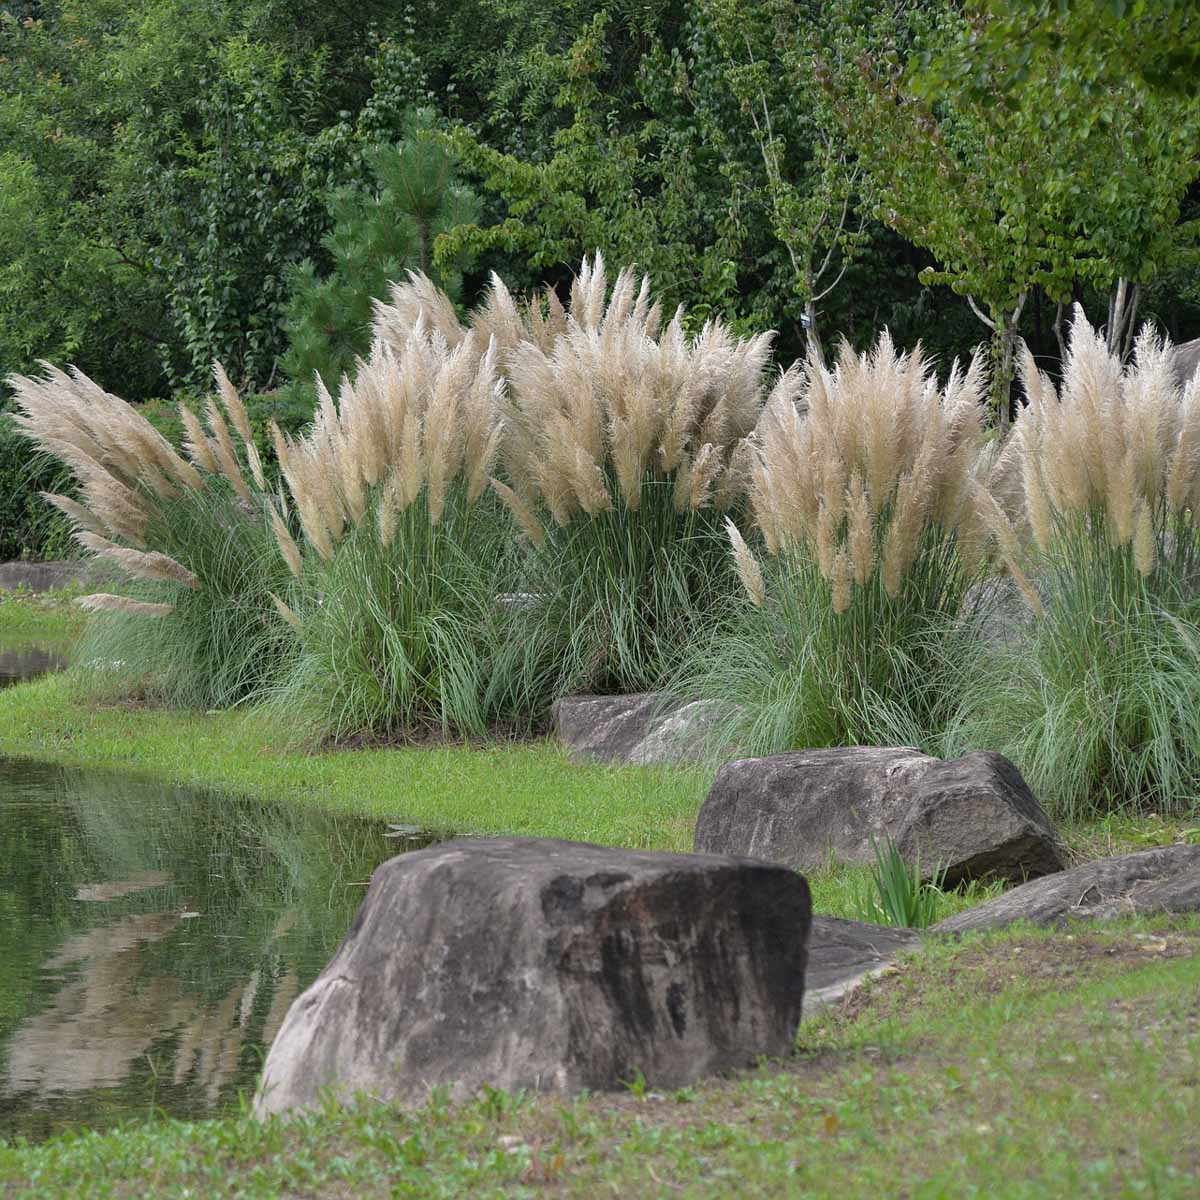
(549, 499)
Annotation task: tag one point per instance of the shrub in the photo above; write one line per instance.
(196, 626)
(402, 550)
(874, 514)
(620, 460)
(896, 893)
(1097, 703)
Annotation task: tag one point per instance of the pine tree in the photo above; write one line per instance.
(378, 235)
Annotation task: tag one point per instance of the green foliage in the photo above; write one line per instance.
(1013, 187)
(709, 165)
(378, 235)
(1097, 701)
(899, 893)
(621, 596)
(886, 671)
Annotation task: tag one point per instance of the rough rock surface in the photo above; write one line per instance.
(39, 576)
(841, 954)
(548, 965)
(1163, 880)
(650, 727)
(972, 815)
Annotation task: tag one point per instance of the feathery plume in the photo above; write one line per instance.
(748, 568)
(106, 602)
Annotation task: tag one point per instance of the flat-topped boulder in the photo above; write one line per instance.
(1163, 880)
(549, 966)
(973, 816)
(642, 729)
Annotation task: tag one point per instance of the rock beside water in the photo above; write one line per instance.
(550, 966)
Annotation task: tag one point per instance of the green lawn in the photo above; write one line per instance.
(1016, 1065)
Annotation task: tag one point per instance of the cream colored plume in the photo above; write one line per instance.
(124, 466)
(1116, 443)
(419, 415)
(106, 602)
(852, 464)
(596, 398)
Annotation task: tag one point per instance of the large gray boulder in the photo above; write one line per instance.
(974, 815)
(1163, 880)
(547, 965)
(643, 729)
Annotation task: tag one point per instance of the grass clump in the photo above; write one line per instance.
(897, 892)
(1097, 700)
(190, 533)
(403, 551)
(869, 498)
(621, 455)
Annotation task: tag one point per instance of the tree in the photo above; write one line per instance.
(1006, 195)
(378, 234)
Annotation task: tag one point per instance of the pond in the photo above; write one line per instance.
(152, 939)
(22, 662)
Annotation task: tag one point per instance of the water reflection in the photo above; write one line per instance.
(152, 939)
(18, 663)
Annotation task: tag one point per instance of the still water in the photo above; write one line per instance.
(29, 661)
(152, 939)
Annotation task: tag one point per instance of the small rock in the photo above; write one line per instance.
(547, 965)
(843, 954)
(609, 729)
(642, 730)
(973, 816)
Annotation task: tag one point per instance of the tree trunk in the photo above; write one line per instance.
(1003, 344)
(812, 338)
(1058, 337)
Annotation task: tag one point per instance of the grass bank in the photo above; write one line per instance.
(518, 789)
(1010, 1066)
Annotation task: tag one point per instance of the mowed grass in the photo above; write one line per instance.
(1011, 1065)
(48, 617)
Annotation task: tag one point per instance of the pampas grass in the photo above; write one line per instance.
(401, 550)
(866, 490)
(1099, 703)
(189, 530)
(620, 460)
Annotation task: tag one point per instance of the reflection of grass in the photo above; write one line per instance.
(921, 1087)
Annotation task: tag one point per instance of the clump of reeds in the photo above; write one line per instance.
(188, 529)
(1097, 702)
(867, 494)
(401, 549)
(621, 453)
